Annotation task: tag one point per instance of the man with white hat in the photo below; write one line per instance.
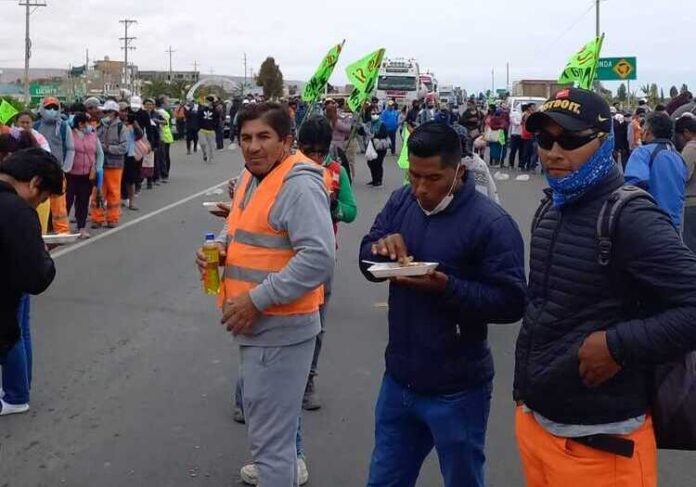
(114, 140)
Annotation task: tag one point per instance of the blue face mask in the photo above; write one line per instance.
(51, 114)
(569, 188)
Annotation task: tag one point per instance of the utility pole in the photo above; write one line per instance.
(126, 47)
(492, 81)
(507, 81)
(170, 51)
(245, 75)
(27, 43)
(195, 65)
(597, 23)
(86, 60)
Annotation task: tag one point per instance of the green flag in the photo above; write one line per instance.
(7, 111)
(313, 88)
(363, 76)
(403, 156)
(581, 68)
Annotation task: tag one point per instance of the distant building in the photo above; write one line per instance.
(536, 87)
(188, 76)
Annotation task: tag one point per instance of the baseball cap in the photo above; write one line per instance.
(136, 103)
(51, 100)
(110, 106)
(92, 102)
(573, 109)
(122, 106)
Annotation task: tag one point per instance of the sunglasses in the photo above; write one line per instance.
(567, 140)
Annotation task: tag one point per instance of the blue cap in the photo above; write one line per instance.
(209, 236)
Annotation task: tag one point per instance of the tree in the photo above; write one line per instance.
(662, 95)
(178, 89)
(622, 93)
(684, 88)
(155, 88)
(270, 78)
(653, 95)
(673, 92)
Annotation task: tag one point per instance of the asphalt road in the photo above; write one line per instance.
(133, 376)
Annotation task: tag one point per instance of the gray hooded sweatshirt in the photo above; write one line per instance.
(302, 210)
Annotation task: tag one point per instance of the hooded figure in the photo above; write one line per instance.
(57, 132)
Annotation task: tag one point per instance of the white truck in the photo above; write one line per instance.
(399, 79)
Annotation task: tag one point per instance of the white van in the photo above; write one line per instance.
(515, 102)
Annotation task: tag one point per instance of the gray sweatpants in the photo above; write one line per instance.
(207, 141)
(274, 382)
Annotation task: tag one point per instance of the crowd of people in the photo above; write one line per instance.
(610, 298)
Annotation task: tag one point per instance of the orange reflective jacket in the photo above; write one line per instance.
(255, 249)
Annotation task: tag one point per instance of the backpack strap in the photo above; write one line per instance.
(544, 207)
(609, 215)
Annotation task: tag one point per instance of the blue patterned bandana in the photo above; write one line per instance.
(571, 187)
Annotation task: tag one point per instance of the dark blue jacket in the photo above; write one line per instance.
(645, 300)
(438, 343)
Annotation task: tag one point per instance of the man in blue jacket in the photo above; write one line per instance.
(390, 118)
(658, 168)
(437, 387)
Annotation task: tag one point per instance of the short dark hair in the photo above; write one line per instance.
(80, 118)
(274, 114)
(436, 139)
(26, 164)
(640, 111)
(685, 122)
(15, 141)
(660, 108)
(316, 132)
(24, 113)
(660, 125)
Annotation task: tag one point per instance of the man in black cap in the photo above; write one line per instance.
(605, 304)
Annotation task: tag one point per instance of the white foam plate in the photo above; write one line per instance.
(394, 269)
(65, 238)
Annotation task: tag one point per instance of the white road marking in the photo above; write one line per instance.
(131, 223)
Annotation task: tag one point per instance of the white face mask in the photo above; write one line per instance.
(444, 202)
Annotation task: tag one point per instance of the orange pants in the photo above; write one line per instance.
(59, 214)
(551, 461)
(111, 191)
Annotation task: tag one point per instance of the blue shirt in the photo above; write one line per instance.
(390, 118)
(665, 179)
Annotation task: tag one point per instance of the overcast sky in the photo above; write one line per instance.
(461, 41)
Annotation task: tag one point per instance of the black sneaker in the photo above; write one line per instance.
(310, 401)
(238, 415)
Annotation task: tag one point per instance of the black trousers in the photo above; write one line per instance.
(220, 137)
(526, 154)
(392, 137)
(191, 136)
(515, 149)
(166, 161)
(377, 167)
(180, 129)
(78, 192)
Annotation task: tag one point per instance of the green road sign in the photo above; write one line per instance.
(40, 91)
(617, 68)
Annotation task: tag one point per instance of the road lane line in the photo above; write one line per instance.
(110, 232)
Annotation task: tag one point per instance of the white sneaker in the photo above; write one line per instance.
(7, 409)
(250, 474)
(233, 146)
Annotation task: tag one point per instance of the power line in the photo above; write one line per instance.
(27, 42)
(170, 51)
(127, 47)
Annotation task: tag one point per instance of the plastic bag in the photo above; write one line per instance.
(370, 152)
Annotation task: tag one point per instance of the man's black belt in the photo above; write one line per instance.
(608, 443)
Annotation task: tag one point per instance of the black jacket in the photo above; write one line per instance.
(208, 118)
(26, 265)
(646, 300)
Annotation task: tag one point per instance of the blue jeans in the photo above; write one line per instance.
(408, 425)
(16, 369)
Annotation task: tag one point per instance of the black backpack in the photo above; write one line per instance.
(674, 383)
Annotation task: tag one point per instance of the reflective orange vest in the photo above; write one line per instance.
(255, 249)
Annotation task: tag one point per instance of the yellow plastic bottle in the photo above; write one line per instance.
(211, 279)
